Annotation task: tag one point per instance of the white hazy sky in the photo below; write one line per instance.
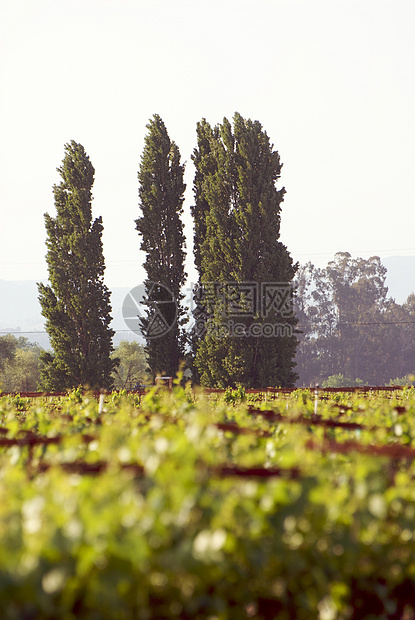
(331, 81)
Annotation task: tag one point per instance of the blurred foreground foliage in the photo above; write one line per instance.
(127, 514)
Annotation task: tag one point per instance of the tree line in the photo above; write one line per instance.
(236, 216)
(258, 319)
(351, 330)
(237, 251)
(20, 365)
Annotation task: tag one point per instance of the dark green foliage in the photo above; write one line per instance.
(76, 304)
(237, 227)
(161, 190)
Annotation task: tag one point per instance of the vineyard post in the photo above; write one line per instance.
(316, 399)
(101, 402)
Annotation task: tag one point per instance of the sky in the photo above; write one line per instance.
(331, 81)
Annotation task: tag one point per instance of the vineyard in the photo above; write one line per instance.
(195, 505)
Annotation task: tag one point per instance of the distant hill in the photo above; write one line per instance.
(20, 308)
(20, 312)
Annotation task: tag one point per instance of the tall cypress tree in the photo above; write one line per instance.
(240, 258)
(161, 196)
(76, 303)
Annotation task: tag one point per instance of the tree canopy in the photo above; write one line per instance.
(349, 325)
(161, 195)
(76, 303)
(19, 364)
(132, 365)
(242, 264)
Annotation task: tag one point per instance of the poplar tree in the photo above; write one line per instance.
(237, 227)
(161, 196)
(76, 303)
